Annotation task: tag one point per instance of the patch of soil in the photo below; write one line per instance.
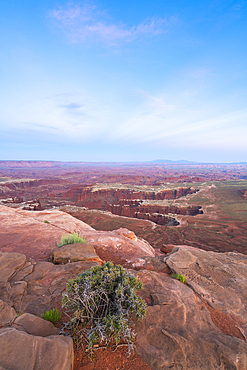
(106, 359)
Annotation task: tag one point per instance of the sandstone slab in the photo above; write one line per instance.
(10, 264)
(21, 351)
(220, 279)
(36, 233)
(35, 325)
(7, 313)
(42, 283)
(178, 332)
(74, 253)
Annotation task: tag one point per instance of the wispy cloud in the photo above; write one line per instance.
(84, 22)
(71, 105)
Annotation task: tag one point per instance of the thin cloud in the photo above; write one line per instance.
(84, 22)
(71, 106)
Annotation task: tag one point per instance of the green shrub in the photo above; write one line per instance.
(53, 315)
(46, 222)
(102, 302)
(182, 278)
(70, 239)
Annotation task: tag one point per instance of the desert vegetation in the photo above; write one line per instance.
(70, 239)
(102, 303)
(53, 315)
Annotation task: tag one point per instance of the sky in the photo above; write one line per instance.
(123, 80)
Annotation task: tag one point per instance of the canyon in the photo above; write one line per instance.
(200, 205)
(155, 220)
(135, 202)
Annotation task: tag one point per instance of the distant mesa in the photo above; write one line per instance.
(168, 161)
(29, 164)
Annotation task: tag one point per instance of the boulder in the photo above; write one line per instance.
(21, 351)
(220, 279)
(7, 314)
(35, 325)
(156, 264)
(178, 332)
(10, 264)
(119, 246)
(74, 253)
(168, 248)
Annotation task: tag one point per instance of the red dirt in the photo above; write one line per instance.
(108, 360)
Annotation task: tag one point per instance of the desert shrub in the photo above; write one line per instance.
(70, 239)
(182, 278)
(103, 302)
(53, 315)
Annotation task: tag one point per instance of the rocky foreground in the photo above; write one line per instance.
(198, 325)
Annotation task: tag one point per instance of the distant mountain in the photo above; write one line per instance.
(168, 161)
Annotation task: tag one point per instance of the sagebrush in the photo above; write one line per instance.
(102, 303)
(70, 239)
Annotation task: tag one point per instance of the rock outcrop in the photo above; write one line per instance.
(7, 313)
(35, 233)
(76, 252)
(178, 331)
(89, 194)
(21, 351)
(198, 325)
(220, 279)
(28, 342)
(33, 287)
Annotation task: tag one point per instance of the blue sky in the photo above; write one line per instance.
(123, 81)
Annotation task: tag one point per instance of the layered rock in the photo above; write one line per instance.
(35, 233)
(153, 212)
(89, 196)
(127, 202)
(13, 186)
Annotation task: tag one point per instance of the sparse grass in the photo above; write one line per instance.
(70, 239)
(179, 277)
(53, 315)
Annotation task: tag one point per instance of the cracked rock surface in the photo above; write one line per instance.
(220, 279)
(178, 332)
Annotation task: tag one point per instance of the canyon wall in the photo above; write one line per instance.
(87, 194)
(13, 186)
(131, 203)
